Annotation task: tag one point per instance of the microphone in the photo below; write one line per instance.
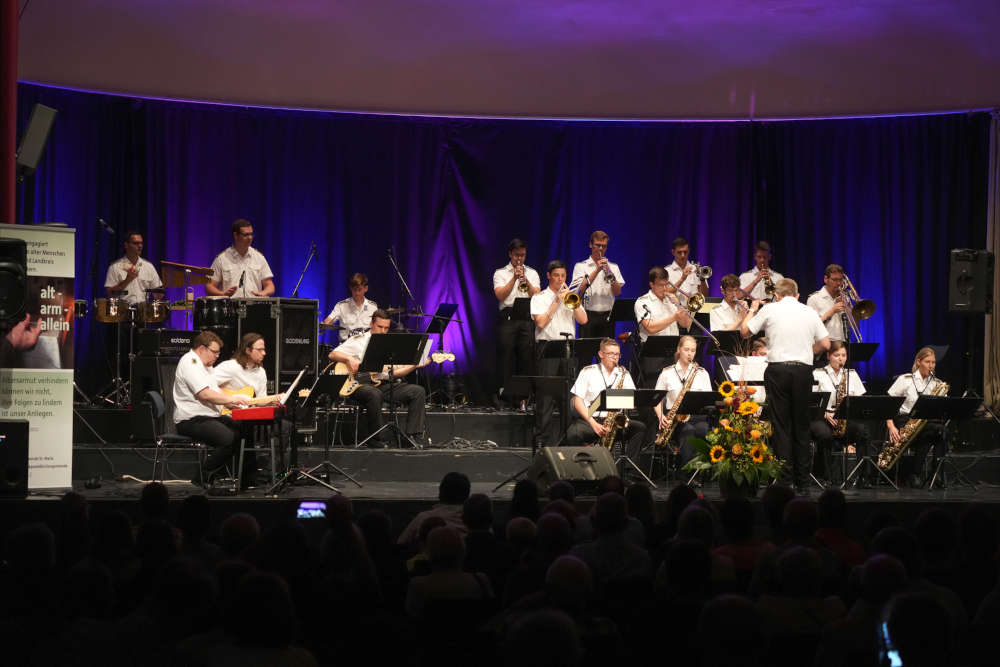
(242, 276)
(107, 228)
(645, 308)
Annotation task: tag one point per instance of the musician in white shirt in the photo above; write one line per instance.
(673, 378)
(682, 272)
(371, 397)
(245, 369)
(592, 380)
(830, 378)
(921, 381)
(600, 282)
(240, 270)
(726, 316)
(355, 312)
(754, 281)
(131, 273)
(197, 398)
(795, 335)
(658, 314)
(827, 302)
(515, 338)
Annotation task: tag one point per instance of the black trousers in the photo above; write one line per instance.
(545, 402)
(220, 433)
(515, 347)
(597, 326)
(371, 399)
(580, 433)
(931, 435)
(696, 427)
(789, 387)
(822, 434)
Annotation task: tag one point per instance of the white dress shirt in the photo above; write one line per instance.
(757, 292)
(231, 375)
(821, 302)
(191, 377)
(690, 284)
(658, 309)
(672, 378)
(353, 318)
(135, 291)
(791, 327)
(594, 379)
(723, 316)
(502, 276)
(562, 320)
(825, 379)
(912, 386)
(230, 265)
(598, 296)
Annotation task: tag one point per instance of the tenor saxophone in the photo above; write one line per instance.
(889, 456)
(841, 427)
(615, 421)
(663, 437)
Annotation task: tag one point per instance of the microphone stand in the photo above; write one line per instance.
(402, 281)
(312, 253)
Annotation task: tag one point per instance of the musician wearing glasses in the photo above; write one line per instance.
(600, 281)
(755, 282)
(921, 381)
(354, 313)
(673, 379)
(131, 273)
(683, 273)
(197, 399)
(834, 378)
(658, 314)
(592, 380)
(245, 369)
(726, 316)
(515, 338)
(240, 270)
(827, 302)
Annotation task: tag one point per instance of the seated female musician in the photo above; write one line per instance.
(913, 385)
(831, 378)
(672, 378)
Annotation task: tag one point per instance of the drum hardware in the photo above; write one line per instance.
(174, 274)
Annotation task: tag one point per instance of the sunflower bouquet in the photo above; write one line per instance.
(737, 449)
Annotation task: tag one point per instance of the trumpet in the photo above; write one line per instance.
(855, 308)
(769, 289)
(609, 275)
(703, 272)
(522, 284)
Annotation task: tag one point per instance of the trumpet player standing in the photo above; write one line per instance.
(755, 281)
(600, 281)
(515, 338)
(684, 274)
(827, 302)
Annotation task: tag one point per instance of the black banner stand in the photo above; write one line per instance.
(946, 408)
(392, 350)
(873, 408)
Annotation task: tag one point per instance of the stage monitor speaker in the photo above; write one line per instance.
(13, 457)
(13, 278)
(29, 153)
(970, 281)
(583, 467)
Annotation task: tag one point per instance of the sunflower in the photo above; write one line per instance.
(757, 454)
(754, 433)
(727, 388)
(748, 407)
(737, 449)
(716, 454)
(751, 391)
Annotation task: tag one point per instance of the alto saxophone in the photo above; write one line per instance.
(889, 456)
(840, 429)
(615, 420)
(663, 437)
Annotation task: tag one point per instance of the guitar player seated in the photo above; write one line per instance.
(370, 395)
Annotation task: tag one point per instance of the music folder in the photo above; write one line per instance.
(945, 407)
(696, 402)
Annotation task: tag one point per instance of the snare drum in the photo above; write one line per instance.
(214, 312)
(111, 310)
(154, 311)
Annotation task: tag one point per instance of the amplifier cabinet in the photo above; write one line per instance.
(290, 332)
(169, 342)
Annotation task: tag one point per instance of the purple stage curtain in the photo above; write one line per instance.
(887, 198)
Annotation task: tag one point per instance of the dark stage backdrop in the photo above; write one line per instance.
(886, 198)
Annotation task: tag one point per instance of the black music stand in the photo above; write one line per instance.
(628, 400)
(399, 349)
(870, 408)
(623, 310)
(440, 320)
(693, 403)
(946, 408)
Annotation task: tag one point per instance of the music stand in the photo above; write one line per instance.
(946, 408)
(389, 351)
(625, 399)
(440, 320)
(872, 408)
(623, 310)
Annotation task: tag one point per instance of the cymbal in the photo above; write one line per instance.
(330, 327)
(395, 310)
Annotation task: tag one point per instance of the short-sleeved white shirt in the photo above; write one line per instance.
(791, 327)
(357, 345)
(562, 320)
(231, 375)
(135, 291)
(594, 379)
(598, 295)
(827, 380)
(912, 386)
(192, 376)
(724, 316)
(672, 378)
(821, 302)
(502, 276)
(658, 309)
(757, 292)
(690, 284)
(354, 319)
(229, 265)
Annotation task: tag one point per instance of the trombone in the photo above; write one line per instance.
(855, 308)
(694, 304)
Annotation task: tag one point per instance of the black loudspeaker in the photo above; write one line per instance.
(35, 137)
(583, 467)
(13, 457)
(970, 281)
(289, 330)
(13, 278)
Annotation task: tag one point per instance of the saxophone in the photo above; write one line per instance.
(889, 456)
(615, 420)
(841, 428)
(663, 437)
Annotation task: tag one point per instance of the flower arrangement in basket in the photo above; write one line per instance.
(737, 450)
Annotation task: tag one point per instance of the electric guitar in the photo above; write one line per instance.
(355, 380)
(441, 357)
(260, 400)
